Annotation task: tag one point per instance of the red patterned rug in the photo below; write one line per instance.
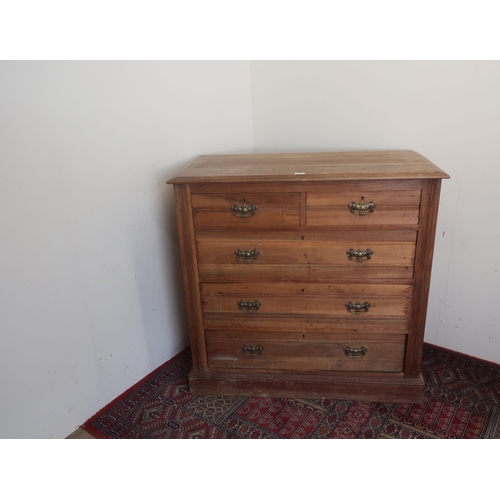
(462, 401)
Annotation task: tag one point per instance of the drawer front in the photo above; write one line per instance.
(353, 205)
(352, 256)
(358, 253)
(245, 210)
(352, 306)
(306, 307)
(263, 350)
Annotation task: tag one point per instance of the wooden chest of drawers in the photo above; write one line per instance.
(307, 275)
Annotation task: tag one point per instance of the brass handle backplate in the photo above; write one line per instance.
(362, 208)
(248, 305)
(355, 352)
(245, 210)
(357, 307)
(246, 255)
(252, 350)
(359, 254)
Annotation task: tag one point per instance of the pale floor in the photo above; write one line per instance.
(80, 434)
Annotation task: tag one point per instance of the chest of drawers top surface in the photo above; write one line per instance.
(300, 167)
(307, 274)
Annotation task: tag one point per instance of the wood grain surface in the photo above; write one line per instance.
(302, 167)
(266, 292)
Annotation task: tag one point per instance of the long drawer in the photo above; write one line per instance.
(263, 350)
(261, 256)
(306, 306)
(349, 306)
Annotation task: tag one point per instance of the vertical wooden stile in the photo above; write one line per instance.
(190, 274)
(422, 274)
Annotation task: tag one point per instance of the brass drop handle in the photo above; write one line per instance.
(246, 255)
(249, 305)
(245, 210)
(357, 307)
(359, 255)
(355, 352)
(362, 208)
(252, 350)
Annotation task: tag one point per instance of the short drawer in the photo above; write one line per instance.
(245, 210)
(358, 204)
(262, 350)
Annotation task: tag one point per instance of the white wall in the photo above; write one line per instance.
(91, 295)
(447, 111)
(90, 289)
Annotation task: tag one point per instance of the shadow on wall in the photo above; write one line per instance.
(159, 276)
